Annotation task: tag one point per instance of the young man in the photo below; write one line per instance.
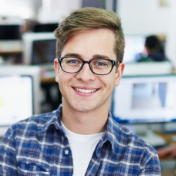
(80, 137)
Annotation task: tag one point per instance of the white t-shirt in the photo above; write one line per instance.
(82, 147)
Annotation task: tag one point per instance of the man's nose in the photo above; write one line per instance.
(85, 73)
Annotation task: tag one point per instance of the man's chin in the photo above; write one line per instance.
(84, 108)
(81, 106)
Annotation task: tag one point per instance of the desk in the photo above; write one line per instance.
(11, 51)
(168, 138)
(170, 172)
(168, 165)
(47, 80)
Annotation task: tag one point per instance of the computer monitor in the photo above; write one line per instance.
(44, 27)
(145, 99)
(39, 48)
(10, 32)
(23, 73)
(134, 48)
(16, 98)
(43, 51)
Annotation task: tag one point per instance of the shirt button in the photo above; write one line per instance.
(66, 152)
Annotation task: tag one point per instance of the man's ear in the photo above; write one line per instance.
(56, 68)
(119, 73)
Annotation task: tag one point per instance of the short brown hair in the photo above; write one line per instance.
(86, 19)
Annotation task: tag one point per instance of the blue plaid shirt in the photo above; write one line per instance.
(38, 146)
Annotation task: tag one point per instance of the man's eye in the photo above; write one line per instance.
(101, 64)
(72, 61)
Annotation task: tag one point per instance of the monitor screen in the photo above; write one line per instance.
(16, 102)
(10, 32)
(145, 99)
(134, 48)
(50, 27)
(43, 51)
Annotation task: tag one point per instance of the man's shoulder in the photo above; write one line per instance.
(37, 119)
(127, 139)
(134, 152)
(34, 123)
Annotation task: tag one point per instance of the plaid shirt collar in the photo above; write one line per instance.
(110, 134)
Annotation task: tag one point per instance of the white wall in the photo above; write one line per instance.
(144, 16)
(57, 10)
(171, 34)
(30, 8)
(21, 8)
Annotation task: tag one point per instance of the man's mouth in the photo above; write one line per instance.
(85, 90)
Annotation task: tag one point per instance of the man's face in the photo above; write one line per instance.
(85, 91)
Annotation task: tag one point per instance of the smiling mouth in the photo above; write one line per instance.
(85, 90)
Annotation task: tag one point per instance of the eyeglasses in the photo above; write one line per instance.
(98, 66)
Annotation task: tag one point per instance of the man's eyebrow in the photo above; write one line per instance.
(79, 56)
(72, 55)
(100, 56)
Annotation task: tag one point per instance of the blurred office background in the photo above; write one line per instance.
(27, 52)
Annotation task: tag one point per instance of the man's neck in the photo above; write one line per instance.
(85, 122)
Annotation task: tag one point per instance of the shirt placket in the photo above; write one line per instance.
(64, 159)
(94, 164)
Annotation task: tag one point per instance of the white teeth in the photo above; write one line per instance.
(85, 90)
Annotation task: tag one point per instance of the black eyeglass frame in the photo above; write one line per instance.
(114, 63)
